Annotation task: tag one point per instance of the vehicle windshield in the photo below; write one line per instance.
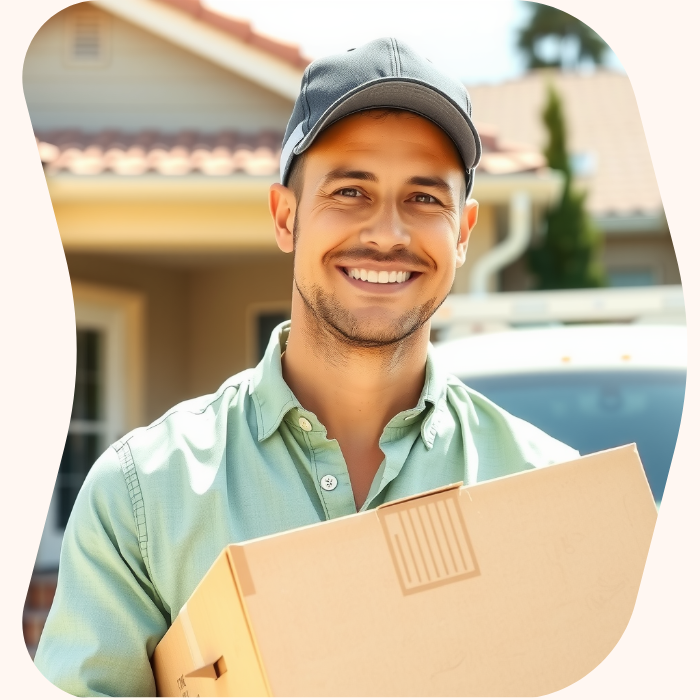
(597, 410)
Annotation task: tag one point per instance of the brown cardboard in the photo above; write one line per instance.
(517, 586)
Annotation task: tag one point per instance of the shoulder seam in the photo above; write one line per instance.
(217, 397)
(126, 461)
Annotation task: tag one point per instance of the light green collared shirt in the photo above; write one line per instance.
(159, 505)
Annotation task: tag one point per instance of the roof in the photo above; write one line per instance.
(230, 43)
(182, 153)
(606, 134)
(242, 30)
(222, 153)
(499, 157)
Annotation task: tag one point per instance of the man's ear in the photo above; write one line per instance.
(283, 207)
(470, 213)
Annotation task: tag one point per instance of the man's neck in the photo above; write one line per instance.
(353, 391)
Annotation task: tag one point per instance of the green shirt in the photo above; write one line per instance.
(159, 505)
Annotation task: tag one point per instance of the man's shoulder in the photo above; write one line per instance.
(463, 397)
(200, 420)
(499, 431)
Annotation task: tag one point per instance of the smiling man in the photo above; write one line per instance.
(346, 411)
(376, 215)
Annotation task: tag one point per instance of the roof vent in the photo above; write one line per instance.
(87, 38)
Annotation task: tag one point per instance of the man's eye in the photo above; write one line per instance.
(349, 192)
(425, 199)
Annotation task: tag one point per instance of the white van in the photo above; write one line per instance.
(591, 386)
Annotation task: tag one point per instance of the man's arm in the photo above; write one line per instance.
(107, 617)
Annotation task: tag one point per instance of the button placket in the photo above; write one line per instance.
(396, 442)
(328, 467)
(332, 476)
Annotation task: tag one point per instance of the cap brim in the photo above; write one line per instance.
(413, 96)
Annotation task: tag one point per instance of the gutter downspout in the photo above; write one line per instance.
(510, 249)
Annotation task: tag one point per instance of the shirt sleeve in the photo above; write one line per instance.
(107, 617)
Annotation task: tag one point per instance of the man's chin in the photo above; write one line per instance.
(365, 328)
(362, 330)
(368, 336)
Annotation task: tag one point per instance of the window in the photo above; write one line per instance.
(263, 317)
(87, 434)
(632, 277)
(267, 322)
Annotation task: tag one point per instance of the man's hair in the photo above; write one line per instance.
(295, 180)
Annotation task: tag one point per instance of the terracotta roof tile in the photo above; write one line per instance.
(186, 152)
(242, 30)
(499, 157)
(222, 153)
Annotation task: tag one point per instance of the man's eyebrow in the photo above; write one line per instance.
(436, 182)
(341, 174)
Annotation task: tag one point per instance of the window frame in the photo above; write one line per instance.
(119, 316)
(253, 311)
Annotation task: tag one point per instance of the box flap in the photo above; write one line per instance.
(439, 489)
(209, 650)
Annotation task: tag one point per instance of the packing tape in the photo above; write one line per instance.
(191, 639)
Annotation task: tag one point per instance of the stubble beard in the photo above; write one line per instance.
(332, 318)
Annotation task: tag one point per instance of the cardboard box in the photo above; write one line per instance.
(517, 586)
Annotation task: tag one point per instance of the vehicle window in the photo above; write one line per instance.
(594, 411)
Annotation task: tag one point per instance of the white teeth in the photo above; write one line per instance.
(382, 277)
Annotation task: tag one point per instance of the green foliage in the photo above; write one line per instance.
(568, 256)
(548, 23)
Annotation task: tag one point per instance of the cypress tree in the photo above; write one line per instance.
(568, 256)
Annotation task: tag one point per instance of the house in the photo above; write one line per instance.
(610, 160)
(159, 124)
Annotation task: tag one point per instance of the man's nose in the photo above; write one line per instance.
(386, 230)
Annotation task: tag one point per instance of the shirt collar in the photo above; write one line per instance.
(273, 399)
(431, 402)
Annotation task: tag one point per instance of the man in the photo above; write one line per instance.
(346, 411)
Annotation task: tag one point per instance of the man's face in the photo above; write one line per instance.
(379, 229)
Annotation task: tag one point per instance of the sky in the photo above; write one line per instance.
(473, 40)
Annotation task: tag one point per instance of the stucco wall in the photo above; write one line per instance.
(222, 302)
(166, 366)
(144, 83)
(643, 252)
(132, 226)
(198, 322)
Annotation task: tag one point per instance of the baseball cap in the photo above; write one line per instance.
(385, 73)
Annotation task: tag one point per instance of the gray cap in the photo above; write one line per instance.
(386, 73)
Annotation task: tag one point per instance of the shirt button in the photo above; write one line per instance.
(328, 482)
(304, 424)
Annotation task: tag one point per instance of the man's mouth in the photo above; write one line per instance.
(378, 276)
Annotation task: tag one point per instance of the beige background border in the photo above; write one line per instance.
(656, 42)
